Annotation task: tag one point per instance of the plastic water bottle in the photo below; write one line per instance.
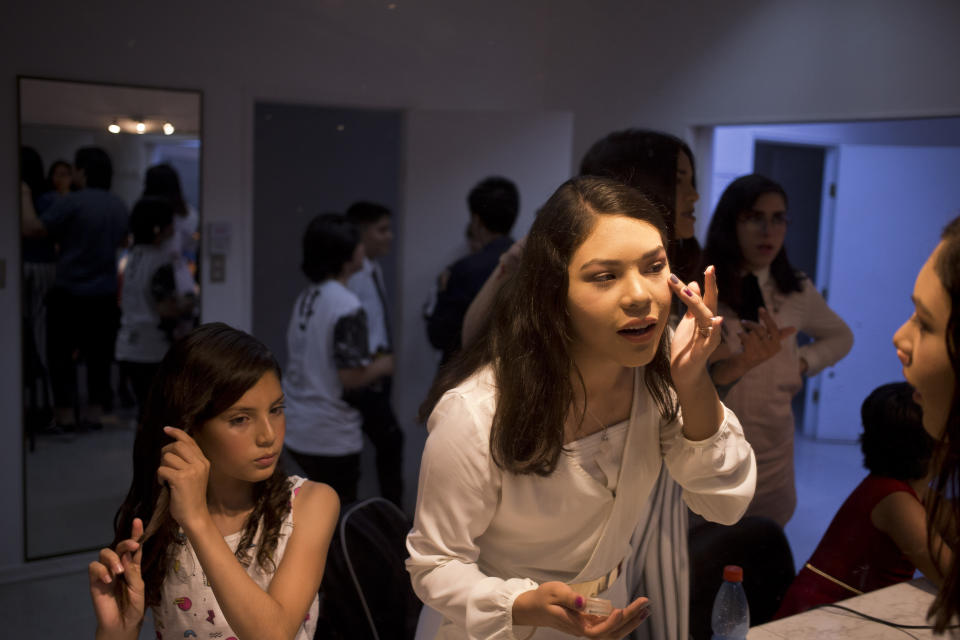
(730, 618)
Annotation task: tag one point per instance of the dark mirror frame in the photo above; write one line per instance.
(27, 443)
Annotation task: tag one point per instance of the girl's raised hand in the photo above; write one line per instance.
(184, 469)
(105, 573)
(698, 334)
(556, 605)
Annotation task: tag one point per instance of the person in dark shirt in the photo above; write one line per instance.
(89, 226)
(494, 204)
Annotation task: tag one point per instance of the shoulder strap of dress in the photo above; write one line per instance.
(295, 483)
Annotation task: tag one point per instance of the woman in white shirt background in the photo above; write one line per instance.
(765, 302)
(547, 435)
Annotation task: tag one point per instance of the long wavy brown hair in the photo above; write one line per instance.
(942, 507)
(529, 338)
(202, 375)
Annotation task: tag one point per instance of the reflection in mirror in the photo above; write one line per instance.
(110, 185)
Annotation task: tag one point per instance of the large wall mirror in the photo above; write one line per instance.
(110, 195)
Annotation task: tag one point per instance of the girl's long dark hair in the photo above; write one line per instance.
(946, 485)
(723, 249)
(529, 338)
(163, 181)
(647, 160)
(203, 374)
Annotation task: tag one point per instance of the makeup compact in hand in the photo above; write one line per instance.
(598, 607)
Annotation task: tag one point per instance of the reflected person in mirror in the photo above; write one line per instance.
(213, 536)
(151, 298)
(39, 264)
(89, 226)
(765, 302)
(162, 181)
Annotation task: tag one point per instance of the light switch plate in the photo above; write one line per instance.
(218, 267)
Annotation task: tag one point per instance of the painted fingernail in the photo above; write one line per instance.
(674, 279)
(687, 291)
(579, 602)
(118, 568)
(107, 579)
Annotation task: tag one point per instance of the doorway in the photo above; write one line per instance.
(799, 168)
(310, 160)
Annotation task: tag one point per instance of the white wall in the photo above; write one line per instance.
(874, 265)
(680, 64)
(733, 146)
(447, 153)
(613, 64)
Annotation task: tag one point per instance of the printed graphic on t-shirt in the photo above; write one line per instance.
(350, 346)
(305, 308)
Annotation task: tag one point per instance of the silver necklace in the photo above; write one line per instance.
(603, 434)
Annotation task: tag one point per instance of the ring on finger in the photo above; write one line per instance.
(705, 331)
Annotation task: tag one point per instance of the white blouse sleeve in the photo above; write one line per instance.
(832, 338)
(718, 475)
(457, 497)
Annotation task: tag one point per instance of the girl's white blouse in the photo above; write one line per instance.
(482, 536)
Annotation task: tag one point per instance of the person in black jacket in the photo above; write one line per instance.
(494, 204)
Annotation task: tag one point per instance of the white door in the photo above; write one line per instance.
(892, 203)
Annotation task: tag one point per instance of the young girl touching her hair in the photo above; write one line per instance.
(212, 536)
(547, 435)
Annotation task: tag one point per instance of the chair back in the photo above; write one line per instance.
(366, 591)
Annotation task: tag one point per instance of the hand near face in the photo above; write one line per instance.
(104, 573)
(698, 334)
(556, 605)
(185, 469)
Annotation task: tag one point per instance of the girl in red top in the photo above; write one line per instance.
(879, 535)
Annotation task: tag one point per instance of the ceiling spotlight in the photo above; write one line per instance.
(114, 127)
(168, 129)
(141, 127)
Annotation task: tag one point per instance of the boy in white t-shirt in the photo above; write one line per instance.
(328, 354)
